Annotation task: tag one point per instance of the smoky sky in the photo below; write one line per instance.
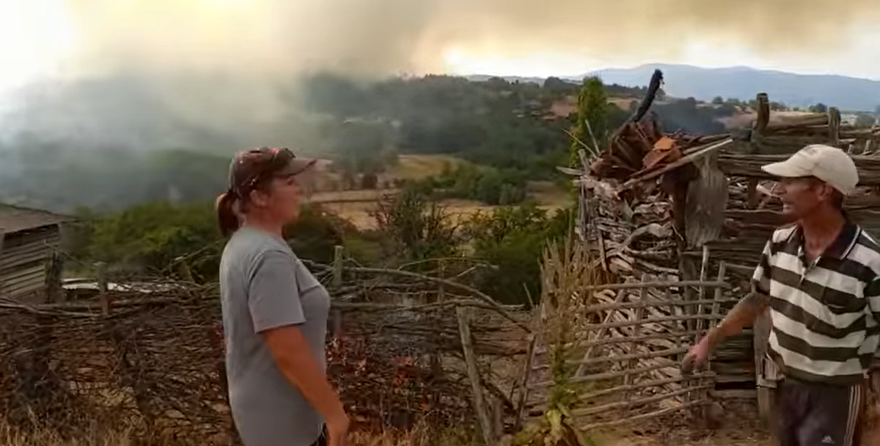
(276, 37)
(183, 73)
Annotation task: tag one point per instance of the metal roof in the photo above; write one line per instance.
(15, 218)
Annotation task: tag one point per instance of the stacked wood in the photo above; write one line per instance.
(658, 204)
(639, 148)
(750, 166)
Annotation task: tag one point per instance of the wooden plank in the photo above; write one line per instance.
(735, 394)
(639, 314)
(524, 381)
(766, 403)
(834, 126)
(474, 375)
(642, 417)
(617, 300)
(667, 284)
(750, 166)
(672, 166)
(653, 303)
(634, 402)
(103, 296)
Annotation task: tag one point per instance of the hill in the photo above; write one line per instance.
(743, 83)
(794, 90)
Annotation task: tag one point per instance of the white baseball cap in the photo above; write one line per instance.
(829, 164)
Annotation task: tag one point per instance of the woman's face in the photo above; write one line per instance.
(281, 201)
(286, 198)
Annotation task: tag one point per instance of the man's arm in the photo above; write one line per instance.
(746, 310)
(743, 315)
(872, 295)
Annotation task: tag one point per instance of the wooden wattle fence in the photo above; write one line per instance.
(405, 348)
(625, 362)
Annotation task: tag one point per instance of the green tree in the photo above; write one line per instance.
(819, 108)
(592, 108)
(512, 239)
(150, 236)
(718, 100)
(414, 228)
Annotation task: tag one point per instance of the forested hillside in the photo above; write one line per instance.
(111, 144)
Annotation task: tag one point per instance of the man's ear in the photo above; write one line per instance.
(828, 192)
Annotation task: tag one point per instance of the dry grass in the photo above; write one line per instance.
(99, 437)
(11, 437)
(357, 205)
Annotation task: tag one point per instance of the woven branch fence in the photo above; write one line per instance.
(624, 361)
(404, 348)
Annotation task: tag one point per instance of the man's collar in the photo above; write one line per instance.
(841, 246)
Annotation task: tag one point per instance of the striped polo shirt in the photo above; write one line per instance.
(824, 314)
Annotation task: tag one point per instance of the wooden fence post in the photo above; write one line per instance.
(435, 359)
(470, 359)
(184, 270)
(766, 384)
(338, 264)
(639, 314)
(756, 139)
(2, 236)
(101, 275)
(834, 126)
(54, 269)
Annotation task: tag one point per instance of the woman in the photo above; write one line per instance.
(274, 311)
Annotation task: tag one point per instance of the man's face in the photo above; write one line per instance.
(801, 196)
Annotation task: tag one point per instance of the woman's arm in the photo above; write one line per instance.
(297, 363)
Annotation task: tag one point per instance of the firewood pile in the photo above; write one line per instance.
(661, 207)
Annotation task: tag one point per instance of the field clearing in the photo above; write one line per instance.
(415, 167)
(357, 205)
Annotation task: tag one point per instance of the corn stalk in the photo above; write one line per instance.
(567, 270)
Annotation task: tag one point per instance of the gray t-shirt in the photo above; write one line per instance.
(263, 285)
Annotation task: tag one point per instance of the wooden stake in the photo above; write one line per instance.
(338, 262)
(467, 347)
(524, 381)
(183, 270)
(101, 274)
(54, 268)
(618, 299)
(834, 126)
(639, 315)
(2, 237)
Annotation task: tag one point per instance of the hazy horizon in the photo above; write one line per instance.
(56, 39)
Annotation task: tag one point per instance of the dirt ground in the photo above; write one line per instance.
(739, 427)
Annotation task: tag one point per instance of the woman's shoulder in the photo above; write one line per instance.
(251, 246)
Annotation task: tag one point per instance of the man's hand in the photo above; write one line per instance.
(742, 315)
(696, 357)
(337, 430)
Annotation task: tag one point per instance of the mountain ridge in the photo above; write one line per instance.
(744, 83)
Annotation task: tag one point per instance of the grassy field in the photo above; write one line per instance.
(414, 167)
(356, 205)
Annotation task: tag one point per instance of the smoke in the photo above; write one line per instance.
(150, 73)
(279, 37)
(137, 75)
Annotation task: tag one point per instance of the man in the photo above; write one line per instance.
(820, 278)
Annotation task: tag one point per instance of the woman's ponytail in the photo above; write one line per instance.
(226, 216)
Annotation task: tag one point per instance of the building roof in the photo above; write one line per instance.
(15, 218)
